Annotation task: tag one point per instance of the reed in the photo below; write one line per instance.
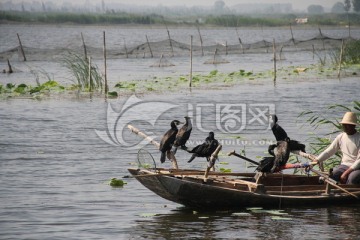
(352, 52)
(347, 54)
(87, 75)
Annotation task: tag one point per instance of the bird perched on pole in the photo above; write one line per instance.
(168, 139)
(183, 135)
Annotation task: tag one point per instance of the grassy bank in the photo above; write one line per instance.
(231, 20)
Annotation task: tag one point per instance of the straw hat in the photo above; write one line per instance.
(349, 118)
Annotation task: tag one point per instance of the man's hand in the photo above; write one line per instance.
(345, 175)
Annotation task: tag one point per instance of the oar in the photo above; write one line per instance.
(332, 182)
(243, 157)
(327, 179)
(286, 166)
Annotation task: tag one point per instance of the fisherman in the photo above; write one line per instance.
(348, 142)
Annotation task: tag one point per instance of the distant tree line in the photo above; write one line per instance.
(228, 20)
(81, 18)
(338, 7)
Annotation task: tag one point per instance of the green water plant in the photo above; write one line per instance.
(352, 52)
(13, 90)
(87, 75)
(114, 182)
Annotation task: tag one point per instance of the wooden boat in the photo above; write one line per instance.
(240, 190)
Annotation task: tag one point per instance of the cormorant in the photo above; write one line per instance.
(168, 139)
(281, 153)
(205, 149)
(281, 135)
(183, 135)
(281, 150)
(277, 130)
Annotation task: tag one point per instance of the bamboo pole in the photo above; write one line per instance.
(170, 155)
(274, 51)
(240, 42)
(21, 48)
(126, 51)
(226, 48)
(212, 160)
(241, 46)
(280, 53)
(9, 65)
(214, 58)
(322, 38)
(84, 45)
(191, 60)
(105, 66)
(341, 55)
(172, 49)
(292, 35)
(201, 41)
(147, 40)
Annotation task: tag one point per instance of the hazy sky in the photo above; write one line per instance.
(302, 4)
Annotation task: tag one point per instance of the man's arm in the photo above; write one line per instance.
(330, 150)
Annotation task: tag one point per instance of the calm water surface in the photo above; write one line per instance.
(54, 170)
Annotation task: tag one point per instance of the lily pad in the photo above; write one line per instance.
(224, 163)
(254, 208)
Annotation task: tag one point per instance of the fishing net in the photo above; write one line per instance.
(163, 62)
(172, 48)
(217, 59)
(146, 160)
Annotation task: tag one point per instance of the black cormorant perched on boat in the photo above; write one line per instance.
(281, 153)
(205, 149)
(281, 150)
(183, 135)
(281, 135)
(168, 139)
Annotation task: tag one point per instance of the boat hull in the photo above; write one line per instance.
(196, 193)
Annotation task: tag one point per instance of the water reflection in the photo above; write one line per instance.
(299, 223)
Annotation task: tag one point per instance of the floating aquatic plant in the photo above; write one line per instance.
(224, 163)
(12, 90)
(225, 170)
(114, 182)
(113, 94)
(240, 214)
